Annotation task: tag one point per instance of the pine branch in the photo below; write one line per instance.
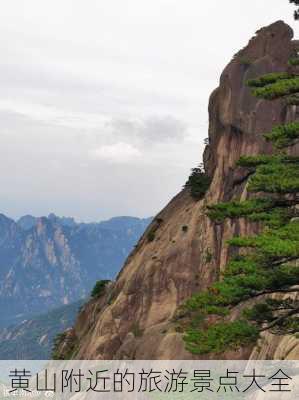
(295, 289)
(254, 295)
(277, 321)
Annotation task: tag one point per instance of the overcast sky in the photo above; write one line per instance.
(103, 103)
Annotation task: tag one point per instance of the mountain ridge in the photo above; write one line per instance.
(33, 339)
(47, 262)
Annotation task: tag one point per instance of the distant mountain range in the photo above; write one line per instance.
(49, 261)
(33, 339)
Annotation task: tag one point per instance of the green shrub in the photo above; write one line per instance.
(260, 312)
(294, 61)
(185, 228)
(99, 288)
(208, 256)
(278, 243)
(198, 183)
(283, 135)
(266, 313)
(262, 159)
(237, 209)
(278, 178)
(268, 79)
(151, 236)
(254, 161)
(241, 265)
(292, 100)
(64, 347)
(273, 218)
(220, 337)
(278, 89)
(244, 61)
(255, 210)
(288, 325)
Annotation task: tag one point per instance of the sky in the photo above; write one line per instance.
(103, 103)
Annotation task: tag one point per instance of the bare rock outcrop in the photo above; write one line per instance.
(137, 320)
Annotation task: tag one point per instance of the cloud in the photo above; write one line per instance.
(164, 129)
(137, 141)
(149, 131)
(118, 153)
(116, 109)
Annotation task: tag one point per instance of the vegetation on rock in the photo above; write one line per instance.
(198, 182)
(292, 100)
(265, 263)
(151, 236)
(294, 61)
(99, 288)
(280, 88)
(284, 135)
(65, 346)
(268, 79)
(244, 61)
(221, 335)
(280, 178)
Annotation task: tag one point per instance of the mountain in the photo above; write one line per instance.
(50, 261)
(27, 222)
(33, 339)
(185, 292)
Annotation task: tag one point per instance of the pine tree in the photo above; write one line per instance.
(262, 264)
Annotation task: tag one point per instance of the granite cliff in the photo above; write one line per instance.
(137, 316)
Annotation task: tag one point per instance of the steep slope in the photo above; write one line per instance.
(48, 262)
(33, 339)
(183, 251)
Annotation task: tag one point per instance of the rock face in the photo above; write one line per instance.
(135, 318)
(48, 262)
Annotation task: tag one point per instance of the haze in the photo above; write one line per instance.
(103, 103)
